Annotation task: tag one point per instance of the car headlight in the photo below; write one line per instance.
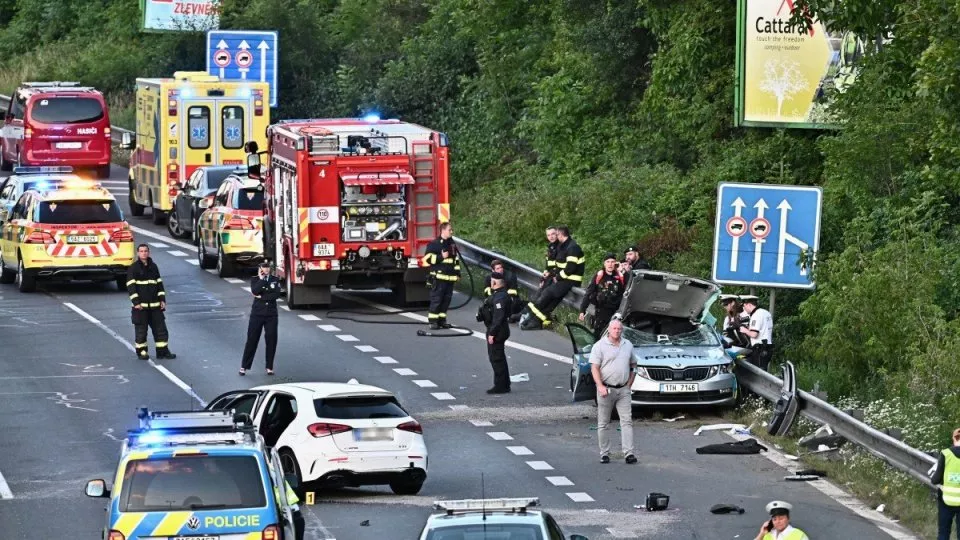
(642, 372)
(720, 370)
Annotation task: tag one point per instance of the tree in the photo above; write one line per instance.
(783, 79)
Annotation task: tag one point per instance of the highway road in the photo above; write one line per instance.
(70, 384)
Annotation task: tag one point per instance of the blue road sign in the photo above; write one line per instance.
(763, 234)
(244, 55)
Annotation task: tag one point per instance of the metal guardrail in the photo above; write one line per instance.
(116, 132)
(894, 452)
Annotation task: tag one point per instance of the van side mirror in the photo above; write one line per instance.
(253, 165)
(126, 141)
(578, 537)
(97, 488)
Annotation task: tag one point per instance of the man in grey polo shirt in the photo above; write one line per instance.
(613, 369)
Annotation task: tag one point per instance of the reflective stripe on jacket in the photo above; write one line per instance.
(145, 285)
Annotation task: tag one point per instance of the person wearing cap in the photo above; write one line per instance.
(778, 526)
(633, 260)
(266, 290)
(733, 320)
(604, 292)
(759, 330)
(510, 282)
(946, 476)
(495, 313)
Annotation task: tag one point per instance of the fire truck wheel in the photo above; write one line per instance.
(135, 208)
(291, 294)
(225, 266)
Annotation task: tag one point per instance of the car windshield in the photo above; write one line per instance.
(79, 212)
(361, 407)
(66, 110)
(192, 483)
(699, 335)
(249, 199)
(487, 531)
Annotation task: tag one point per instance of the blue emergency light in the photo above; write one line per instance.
(372, 117)
(53, 169)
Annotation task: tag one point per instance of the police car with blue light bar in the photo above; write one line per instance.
(503, 519)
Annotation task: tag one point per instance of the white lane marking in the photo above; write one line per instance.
(347, 337)
(285, 308)
(580, 497)
(385, 359)
(5, 492)
(177, 253)
(540, 465)
(480, 335)
(881, 521)
(309, 317)
(499, 436)
(520, 450)
(481, 423)
(425, 384)
(158, 245)
(246, 289)
(442, 396)
(458, 407)
(166, 239)
(406, 372)
(193, 262)
(328, 328)
(559, 480)
(234, 280)
(114, 182)
(209, 270)
(367, 348)
(166, 372)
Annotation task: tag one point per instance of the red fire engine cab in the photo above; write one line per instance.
(352, 203)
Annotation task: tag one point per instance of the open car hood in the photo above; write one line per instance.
(668, 295)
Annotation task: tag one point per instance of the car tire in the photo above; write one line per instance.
(26, 280)
(205, 261)
(135, 208)
(103, 171)
(406, 487)
(173, 224)
(288, 460)
(4, 164)
(6, 275)
(225, 266)
(159, 216)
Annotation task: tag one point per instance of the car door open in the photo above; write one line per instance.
(581, 379)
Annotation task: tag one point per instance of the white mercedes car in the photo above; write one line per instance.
(336, 434)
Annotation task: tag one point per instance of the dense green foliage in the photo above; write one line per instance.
(616, 119)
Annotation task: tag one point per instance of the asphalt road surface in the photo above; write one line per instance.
(70, 384)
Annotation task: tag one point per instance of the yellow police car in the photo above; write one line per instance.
(69, 231)
(197, 475)
(230, 231)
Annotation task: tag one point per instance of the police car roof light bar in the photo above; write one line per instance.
(192, 427)
(518, 504)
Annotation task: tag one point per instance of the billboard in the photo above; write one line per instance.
(787, 75)
(180, 15)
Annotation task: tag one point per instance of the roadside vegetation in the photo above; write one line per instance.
(615, 118)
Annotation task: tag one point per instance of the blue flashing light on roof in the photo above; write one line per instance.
(151, 437)
(186, 92)
(40, 186)
(57, 169)
(372, 117)
(245, 92)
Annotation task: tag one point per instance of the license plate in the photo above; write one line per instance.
(323, 250)
(373, 434)
(678, 388)
(78, 239)
(69, 145)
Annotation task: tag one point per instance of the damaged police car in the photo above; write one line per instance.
(680, 356)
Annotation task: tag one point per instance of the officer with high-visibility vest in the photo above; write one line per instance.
(778, 526)
(947, 476)
(441, 260)
(570, 262)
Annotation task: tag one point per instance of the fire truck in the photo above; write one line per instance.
(351, 203)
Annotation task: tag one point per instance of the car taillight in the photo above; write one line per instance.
(324, 429)
(39, 237)
(239, 224)
(106, 132)
(115, 535)
(122, 235)
(28, 133)
(173, 175)
(258, 102)
(271, 533)
(172, 102)
(412, 426)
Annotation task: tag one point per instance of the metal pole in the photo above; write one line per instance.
(773, 300)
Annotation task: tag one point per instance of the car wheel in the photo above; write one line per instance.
(26, 280)
(6, 275)
(103, 171)
(406, 487)
(224, 263)
(173, 224)
(202, 257)
(288, 460)
(4, 164)
(159, 216)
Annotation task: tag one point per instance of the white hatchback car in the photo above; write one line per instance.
(336, 434)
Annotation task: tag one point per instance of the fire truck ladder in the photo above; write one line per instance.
(424, 195)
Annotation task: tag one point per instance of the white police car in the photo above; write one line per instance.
(489, 519)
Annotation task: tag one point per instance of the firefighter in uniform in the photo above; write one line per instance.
(495, 313)
(570, 262)
(778, 526)
(145, 287)
(760, 332)
(510, 282)
(441, 259)
(604, 292)
(550, 270)
(946, 476)
(266, 290)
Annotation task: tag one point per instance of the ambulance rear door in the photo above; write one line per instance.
(214, 130)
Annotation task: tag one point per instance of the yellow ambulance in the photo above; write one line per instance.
(186, 122)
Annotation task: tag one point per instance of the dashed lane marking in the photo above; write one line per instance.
(580, 497)
(385, 359)
(178, 253)
(166, 372)
(481, 423)
(367, 348)
(5, 492)
(540, 465)
(559, 481)
(234, 280)
(208, 270)
(425, 384)
(347, 337)
(247, 289)
(499, 436)
(158, 245)
(520, 450)
(285, 308)
(458, 407)
(442, 396)
(406, 372)
(328, 328)
(193, 262)
(309, 317)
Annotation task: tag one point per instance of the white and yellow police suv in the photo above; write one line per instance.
(504, 519)
(203, 475)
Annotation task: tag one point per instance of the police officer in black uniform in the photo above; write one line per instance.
(441, 259)
(266, 290)
(145, 287)
(570, 262)
(605, 292)
(495, 313)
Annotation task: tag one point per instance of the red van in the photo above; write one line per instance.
(56, 123)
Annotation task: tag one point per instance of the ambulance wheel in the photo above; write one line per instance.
(135, 208)
(26, 280)
(103, 171)
(159, 217)
(225, 266)
(205, 261)
(6, 275)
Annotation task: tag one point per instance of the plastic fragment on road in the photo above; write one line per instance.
(681, 417)
(719, 427)
(520, 377)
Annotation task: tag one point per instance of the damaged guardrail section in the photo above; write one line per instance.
(896, 453)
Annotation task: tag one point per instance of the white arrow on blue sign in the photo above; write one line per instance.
(766, 234)
(244, 55)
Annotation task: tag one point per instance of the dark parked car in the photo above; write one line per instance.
(196, 195)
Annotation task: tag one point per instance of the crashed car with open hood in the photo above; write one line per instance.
(679, 354)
